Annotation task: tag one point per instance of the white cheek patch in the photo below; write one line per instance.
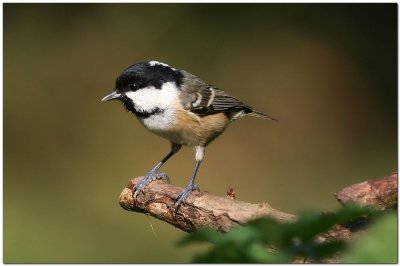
(150, 98)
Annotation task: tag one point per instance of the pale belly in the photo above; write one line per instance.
(185, 128)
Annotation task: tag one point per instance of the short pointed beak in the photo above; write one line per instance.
(113, 95)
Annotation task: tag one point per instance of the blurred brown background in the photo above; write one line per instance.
(328, 72)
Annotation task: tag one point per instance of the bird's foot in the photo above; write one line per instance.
(150, 177)
(185, 194)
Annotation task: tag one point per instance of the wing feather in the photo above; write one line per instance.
(203, 99)
(212, 100)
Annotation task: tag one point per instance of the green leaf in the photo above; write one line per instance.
(378, 245)
(248, 243)
(309, 225)
(252, 253)
(352, 212)
(269, 230)
(326, 250)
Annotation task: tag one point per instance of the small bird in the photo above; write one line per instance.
(179, 107)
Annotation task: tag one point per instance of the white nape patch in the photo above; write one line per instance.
(153, 63)
(149, 98)
(198, 100)
(199, 153)
(212, 96)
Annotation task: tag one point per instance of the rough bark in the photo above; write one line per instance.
(202, 209)
(380, 193)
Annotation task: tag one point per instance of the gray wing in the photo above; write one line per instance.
(203, 99)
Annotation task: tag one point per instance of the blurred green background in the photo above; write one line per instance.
(328, 72)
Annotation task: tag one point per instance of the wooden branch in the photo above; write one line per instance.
(380, 193)
(202, 209)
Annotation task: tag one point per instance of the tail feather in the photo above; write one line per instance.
(261, 115)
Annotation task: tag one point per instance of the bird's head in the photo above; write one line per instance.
(146, 86)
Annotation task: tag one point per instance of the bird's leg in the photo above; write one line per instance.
(191, 186)
(153, 175)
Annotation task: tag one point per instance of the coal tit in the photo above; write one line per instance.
(180, 107)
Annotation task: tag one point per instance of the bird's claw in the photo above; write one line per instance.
(185, 194)
(196, 187)
(152, 176)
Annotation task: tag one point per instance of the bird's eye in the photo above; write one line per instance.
(133, 86)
